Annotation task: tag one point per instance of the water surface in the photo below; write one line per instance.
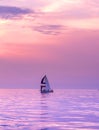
(62, 110)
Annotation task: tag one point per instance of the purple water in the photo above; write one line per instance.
(62, 110)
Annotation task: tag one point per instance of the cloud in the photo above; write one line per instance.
(93, 3)
(11, 12)
(78, 9)
(51, 29)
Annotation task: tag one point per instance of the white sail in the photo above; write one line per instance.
(47, 84)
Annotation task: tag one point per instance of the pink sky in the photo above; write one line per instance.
(59, 38)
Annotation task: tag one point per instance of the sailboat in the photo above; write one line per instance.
(45, 86)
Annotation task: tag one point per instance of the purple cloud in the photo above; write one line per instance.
(49, 29)
(9, 12)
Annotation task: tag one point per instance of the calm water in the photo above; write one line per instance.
(61, 110)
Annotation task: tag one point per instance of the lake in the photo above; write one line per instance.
(65, 109)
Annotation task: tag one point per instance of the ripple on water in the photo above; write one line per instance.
(61, 110)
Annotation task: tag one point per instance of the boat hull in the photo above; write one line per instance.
(49, 91)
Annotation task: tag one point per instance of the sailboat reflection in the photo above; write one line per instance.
(45, 129)
(44, 108)
(45, 112)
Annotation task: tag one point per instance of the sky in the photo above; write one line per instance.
(59, 38)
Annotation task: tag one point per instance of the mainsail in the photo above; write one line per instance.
(45, 86)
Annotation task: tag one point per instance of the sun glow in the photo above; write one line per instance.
(3, 22)
(58, 5)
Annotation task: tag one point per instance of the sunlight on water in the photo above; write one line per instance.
(61, 110)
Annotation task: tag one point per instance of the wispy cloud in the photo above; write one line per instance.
(10, 12)
(50, 29)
